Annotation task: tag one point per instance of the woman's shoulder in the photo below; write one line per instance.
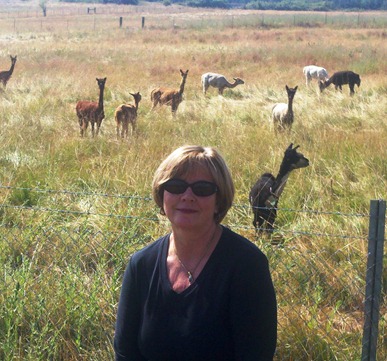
(240, 245)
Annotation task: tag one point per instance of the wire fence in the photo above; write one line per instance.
(63, 253)
(133, 18)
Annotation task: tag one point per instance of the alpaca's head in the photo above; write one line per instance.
(137, 97)
(323, 84)
(13, 59)
(291, 92)
(183, 74)
(295, 159)
(357, 79)
(101, 82)
(238, 81)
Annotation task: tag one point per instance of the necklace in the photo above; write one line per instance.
(190, 274)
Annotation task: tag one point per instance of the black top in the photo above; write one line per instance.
(228, 313)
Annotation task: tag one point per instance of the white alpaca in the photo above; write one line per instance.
(218, 81)
(315, 72)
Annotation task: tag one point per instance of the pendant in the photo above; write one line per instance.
(190, 277)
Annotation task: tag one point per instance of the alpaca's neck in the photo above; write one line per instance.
(290, 106)
(233, 85)
(136, 104)
(182, 85)
(11, 69)
(281, 179)
(100, 101)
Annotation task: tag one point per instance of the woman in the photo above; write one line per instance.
(202, 292)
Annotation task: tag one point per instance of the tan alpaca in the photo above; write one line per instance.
(125, 114)
(168, 96)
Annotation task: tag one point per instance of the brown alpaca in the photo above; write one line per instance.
(92, 112)
(125, 114)
(6, 74)
(168, 96)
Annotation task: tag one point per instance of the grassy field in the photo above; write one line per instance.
(62, 271)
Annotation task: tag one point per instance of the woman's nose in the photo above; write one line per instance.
(188, 194)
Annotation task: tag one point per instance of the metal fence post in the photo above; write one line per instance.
(373, 279)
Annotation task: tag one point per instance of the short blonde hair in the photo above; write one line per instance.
(186, 159)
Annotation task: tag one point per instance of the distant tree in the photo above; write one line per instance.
(43, 6)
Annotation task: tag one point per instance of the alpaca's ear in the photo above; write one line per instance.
(290, 146)
(296, 87)
(286, 87)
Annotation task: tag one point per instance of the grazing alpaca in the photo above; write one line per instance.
(282, 114)
(6, 74)
(342, 77)
(125, 114)
(168, 96)
(92, 112)
(218, 81)
(315, 72)
(265, 193)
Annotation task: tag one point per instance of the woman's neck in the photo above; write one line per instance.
(190, 243)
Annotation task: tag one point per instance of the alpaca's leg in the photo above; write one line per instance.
(221, 91)
(118, 129)
(125, 129)
(270, 220)
(351, 88)
(85, 124)
(205, 87)
(175, 104)
(92, 129)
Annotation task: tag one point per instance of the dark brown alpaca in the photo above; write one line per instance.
(168, 96)
(340, 78)
(265, 193)
(125, 114)
(6, 74)
(92, 112)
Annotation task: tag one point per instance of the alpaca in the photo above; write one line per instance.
(265, 194)
(125, 114)
(218, 81)
(168, 96)
(6, 74)
(342, 77)
(88, 111)
(315, 72)
(282, 114)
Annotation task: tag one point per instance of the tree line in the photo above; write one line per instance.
(305, 5)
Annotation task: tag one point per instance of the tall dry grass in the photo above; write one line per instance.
(59, 296)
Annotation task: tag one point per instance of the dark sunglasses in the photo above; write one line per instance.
(199, 188)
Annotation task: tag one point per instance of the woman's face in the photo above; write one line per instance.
(187, 210)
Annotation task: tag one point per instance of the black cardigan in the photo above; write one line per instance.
(228, 313)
